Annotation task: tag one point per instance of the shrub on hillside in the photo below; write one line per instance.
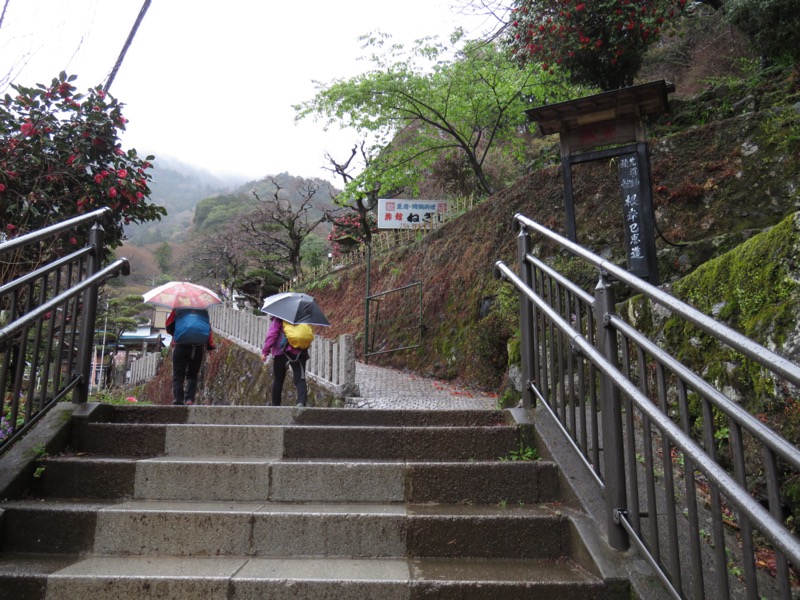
(773, 26)
(60, 156)
(600, 43)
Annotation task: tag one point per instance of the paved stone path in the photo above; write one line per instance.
(382, 387)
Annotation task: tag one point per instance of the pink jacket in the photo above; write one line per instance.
(271, 344)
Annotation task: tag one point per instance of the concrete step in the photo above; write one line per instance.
(288, 503)
(176, 478)
(298, 441)
(248, 578)
(285, 415)
(285, 529)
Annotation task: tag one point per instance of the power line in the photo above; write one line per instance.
(128, 42)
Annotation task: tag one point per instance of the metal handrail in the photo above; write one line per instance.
(95, 216)
(727, 484)
(604, 366)
(743, 344)
(30, 318)
(47, 336)
(761, 432)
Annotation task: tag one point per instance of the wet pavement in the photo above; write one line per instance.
(382, 387)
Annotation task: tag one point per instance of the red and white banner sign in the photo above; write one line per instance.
(398, 213)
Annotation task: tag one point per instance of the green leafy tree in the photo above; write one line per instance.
(60, 156)
(421, 105)
(773, 26)
(599, 43)
(116, 315)
(163, 256)
(314, 251)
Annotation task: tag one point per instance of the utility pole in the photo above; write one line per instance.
(127, 44)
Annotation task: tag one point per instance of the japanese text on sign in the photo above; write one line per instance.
(632, 211)
(406, 214)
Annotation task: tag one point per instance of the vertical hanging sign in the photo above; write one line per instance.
(633, 214)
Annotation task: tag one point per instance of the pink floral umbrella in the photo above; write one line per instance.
(181, 294)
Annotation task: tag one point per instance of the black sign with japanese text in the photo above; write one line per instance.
(633, 213)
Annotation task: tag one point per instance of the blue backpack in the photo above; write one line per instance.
(192, 326)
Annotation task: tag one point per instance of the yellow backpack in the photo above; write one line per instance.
(299, 337)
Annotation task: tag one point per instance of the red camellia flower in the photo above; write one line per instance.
(112, 193)
(98, 178)
(2, 187)
(27, 129)
(122, 173)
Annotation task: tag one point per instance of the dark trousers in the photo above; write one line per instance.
(279, 365)
(186, 363)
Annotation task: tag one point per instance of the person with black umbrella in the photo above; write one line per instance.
(288, 346)
(283, 355)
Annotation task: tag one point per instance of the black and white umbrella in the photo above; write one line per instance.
(295, 308)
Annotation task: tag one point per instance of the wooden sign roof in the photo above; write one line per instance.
(633, 102)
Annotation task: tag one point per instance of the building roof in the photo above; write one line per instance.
(144, 334)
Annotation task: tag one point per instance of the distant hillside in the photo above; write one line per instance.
(178, 188)
(220, 210)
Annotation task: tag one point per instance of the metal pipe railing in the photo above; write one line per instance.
(763, 356)
(675, 458)
(48, 316)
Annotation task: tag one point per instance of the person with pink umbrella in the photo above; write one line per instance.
(190, 327)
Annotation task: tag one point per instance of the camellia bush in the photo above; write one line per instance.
(348, 232)
(60, 156)
(599, 43)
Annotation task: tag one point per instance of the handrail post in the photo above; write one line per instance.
(366, 301)
(526, 318)
(613, 442)
(88, 316)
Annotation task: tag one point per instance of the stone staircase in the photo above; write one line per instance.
(240, 503)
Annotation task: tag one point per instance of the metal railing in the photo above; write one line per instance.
(689, 477)
(47, 313)
(400, 333)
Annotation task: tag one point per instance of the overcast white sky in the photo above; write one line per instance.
(212, 83)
